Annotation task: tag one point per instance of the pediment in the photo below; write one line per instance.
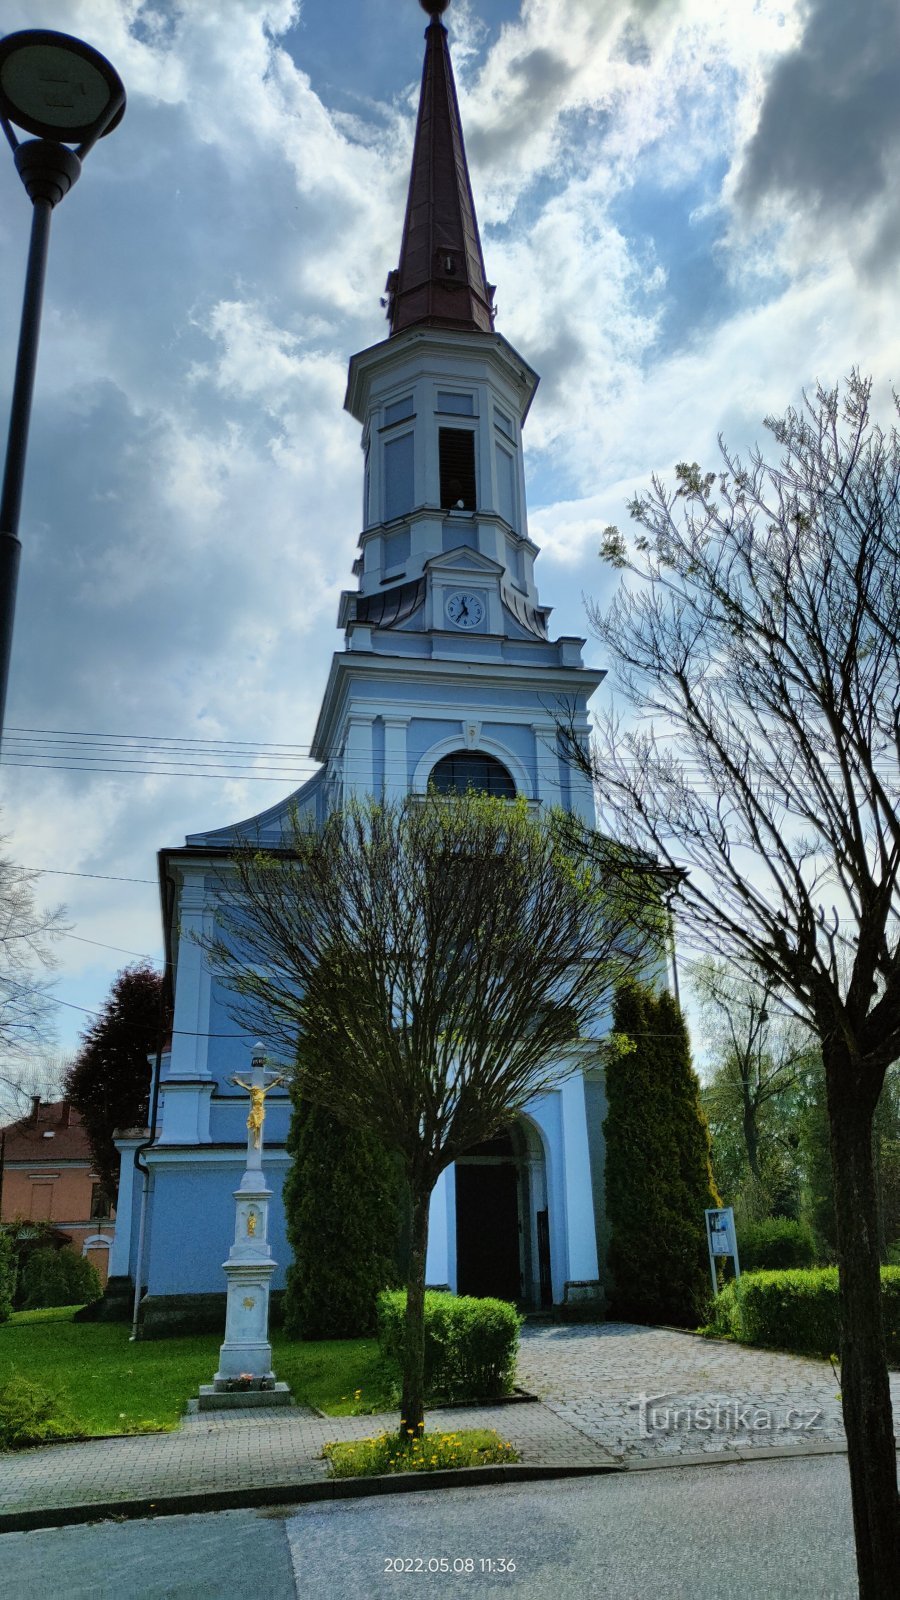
(463, 559)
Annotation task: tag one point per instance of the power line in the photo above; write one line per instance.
(142, 955)
(106, 877)
(153, 772)
(161, 738)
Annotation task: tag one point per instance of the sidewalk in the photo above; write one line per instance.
(586, 1420)
(255, 1457)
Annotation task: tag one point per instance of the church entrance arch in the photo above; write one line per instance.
(502, 1232)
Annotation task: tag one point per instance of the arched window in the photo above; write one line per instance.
(472, 769)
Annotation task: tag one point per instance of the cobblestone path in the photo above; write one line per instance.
(646, 1392)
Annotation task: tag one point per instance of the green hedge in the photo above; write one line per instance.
(58, 1278)
(7, 1276)
(798, 1311)
(470, 1344)
(775, 1243)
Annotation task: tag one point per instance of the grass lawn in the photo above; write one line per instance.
(111, 1386)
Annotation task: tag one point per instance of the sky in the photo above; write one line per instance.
(691, 211)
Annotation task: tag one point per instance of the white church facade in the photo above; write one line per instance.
(448, 675)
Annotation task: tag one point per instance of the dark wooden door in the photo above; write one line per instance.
(487, 1231)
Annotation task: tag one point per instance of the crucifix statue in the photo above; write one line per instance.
(245, 1357)
(257, 1089)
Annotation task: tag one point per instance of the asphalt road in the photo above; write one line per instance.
(779, 1530)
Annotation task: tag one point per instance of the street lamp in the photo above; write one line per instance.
(65, 93)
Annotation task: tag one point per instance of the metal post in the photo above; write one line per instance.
(17, 443)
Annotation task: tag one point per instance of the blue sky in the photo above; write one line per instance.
(690, 211)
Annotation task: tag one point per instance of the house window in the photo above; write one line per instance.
(398, 410)
(472, 769)
(506, 485)
(505, 424)
(456, 448)
(398, 476)
(461, 405)
(101, 1207)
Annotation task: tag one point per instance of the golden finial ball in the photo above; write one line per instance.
(434, 7)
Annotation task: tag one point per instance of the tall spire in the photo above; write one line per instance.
(440, 281)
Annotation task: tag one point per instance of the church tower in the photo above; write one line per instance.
(448, 677)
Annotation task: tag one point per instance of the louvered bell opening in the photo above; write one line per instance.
(457, 456)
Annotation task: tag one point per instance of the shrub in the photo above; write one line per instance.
(7, 1275)
(775, 1243)
(658, 1175)
(341, 1202)
(470, 1344)
(431, 1452)
(30, 1414)
(58, 1278)
(798, 1311)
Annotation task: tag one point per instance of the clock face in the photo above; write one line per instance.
(465, 610)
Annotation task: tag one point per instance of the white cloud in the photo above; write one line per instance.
(194, 486)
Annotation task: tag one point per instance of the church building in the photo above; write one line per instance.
(448, 675)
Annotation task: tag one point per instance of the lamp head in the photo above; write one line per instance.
(58, 87)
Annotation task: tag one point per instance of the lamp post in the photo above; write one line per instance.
(65, 93)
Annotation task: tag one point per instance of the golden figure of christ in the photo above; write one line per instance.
(257, 1114)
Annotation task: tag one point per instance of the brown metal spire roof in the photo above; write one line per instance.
(440, 281)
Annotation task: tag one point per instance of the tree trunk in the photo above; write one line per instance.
(412, 1404)
(865, 1386)
(751, 1135)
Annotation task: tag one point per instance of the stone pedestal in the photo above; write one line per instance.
(249, 1268)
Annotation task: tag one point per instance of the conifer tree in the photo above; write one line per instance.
(342, 1210)
(658, 1175)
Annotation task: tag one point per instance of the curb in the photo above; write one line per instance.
(732, 1458)
(288, 1494)
(310, 1492)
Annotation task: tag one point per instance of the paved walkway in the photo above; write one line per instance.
(700, 1395)
(709, 1398)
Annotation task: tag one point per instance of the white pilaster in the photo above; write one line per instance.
(440, 1263)
(580, 1226)
(120, 1253)
(549, 787)
(396, 782)
(359, 777)
(188, 1082)
(190, 1026)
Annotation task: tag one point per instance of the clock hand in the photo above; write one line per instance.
(465, 609)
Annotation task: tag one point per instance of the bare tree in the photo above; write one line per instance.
(23, 1080)
(433, 966)
(760, 1049)
(27, 936)
(762, 651)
